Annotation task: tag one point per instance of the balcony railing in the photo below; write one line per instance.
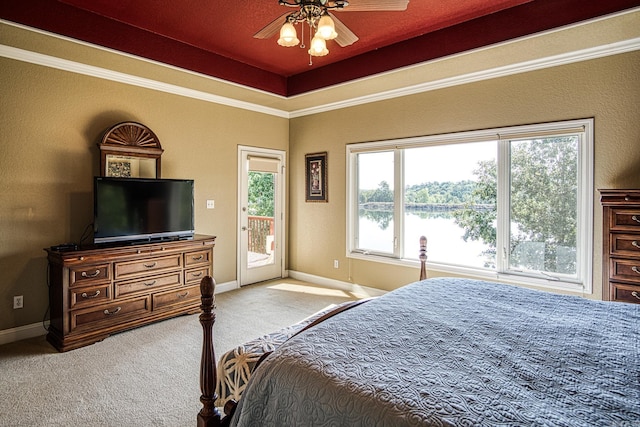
(260, 227)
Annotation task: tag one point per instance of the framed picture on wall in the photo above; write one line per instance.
(316, 177)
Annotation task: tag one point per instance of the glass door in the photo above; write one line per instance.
(261, 215)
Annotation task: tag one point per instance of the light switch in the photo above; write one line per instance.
(211, 204)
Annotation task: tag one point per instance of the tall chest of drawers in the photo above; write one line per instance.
(95, 292)
(621, 245)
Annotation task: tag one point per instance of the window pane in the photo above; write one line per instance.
(543, 205)
(375, 202)
(450, 197)
(446, 188)
(261, 221)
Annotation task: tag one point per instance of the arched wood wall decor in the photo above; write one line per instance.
(131, 150)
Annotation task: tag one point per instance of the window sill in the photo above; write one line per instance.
(573, 288)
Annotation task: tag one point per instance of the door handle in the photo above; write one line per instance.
(244, 228)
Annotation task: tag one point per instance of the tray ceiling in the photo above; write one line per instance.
(215, 37)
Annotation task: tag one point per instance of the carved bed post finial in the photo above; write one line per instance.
(209, 416)
(423, 257)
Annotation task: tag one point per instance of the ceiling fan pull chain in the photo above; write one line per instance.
(310, 57)
(302, 46)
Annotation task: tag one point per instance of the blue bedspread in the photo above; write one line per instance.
(447, 352)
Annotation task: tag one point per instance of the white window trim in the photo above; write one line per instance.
(585, 201)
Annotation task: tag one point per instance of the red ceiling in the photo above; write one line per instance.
(215, 37)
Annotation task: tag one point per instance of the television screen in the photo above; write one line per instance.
(133, 209)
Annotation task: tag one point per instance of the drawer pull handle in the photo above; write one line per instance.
(151, 283)
(197, 274)
(197, 258)
(84, 294)
(94, 274)
(636, 219)
(183, 295)
(636, 244)
(635, 294)
(153, 264)
(111, 313)
(635, 269)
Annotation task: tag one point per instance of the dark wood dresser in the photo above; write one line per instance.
(94, 292)
(621, 245)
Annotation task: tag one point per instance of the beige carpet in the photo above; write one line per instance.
(148, 376)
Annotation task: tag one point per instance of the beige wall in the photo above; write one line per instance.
(51, 121)
(606, 89)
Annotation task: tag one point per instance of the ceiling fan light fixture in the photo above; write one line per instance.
(318, 47)
(288, 35)
(327, 28)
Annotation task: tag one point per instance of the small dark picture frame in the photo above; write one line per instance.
(316, 177)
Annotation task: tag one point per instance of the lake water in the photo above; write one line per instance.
(444, 239)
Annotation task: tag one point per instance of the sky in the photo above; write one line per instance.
(452, 162)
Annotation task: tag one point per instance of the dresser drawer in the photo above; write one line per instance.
(182, 296)
(625, 220)
(626, 245)
(198, 257)
(145, 266)
(148, 283)
(625, 293)
(195, 275)
(96, 291)
(625, 270)
(89, 295)
(85, 274)
(110, 314)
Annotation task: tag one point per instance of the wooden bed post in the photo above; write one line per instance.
(423, 257)
(209, 416)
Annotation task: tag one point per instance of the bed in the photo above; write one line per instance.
(444, 351)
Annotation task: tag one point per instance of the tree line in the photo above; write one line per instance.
(432, 193)
(543, 202)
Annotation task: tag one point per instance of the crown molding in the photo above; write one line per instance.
(491, 73)
(601, 51)
(116, 76)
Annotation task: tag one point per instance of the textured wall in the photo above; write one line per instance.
(51, 120)
(606, 89)
(50, 124)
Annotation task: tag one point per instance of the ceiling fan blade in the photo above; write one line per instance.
(345, 35)
(374, 5)
(272, 28)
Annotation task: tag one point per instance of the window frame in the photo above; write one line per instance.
(503, 136)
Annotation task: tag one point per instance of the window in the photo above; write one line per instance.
(512, 203)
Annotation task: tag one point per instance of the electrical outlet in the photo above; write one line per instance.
(18, 301)
(336, 264)
(211, 204)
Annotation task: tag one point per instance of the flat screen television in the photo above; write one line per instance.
(136, 209)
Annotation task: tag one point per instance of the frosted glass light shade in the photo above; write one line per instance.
(288, 35)
(318, 46)
(326, 28)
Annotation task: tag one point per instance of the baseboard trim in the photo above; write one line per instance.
(23, 332)
(336, 284)
(226, 287)
(37, 329)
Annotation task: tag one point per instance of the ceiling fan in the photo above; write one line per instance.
(317, 16)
